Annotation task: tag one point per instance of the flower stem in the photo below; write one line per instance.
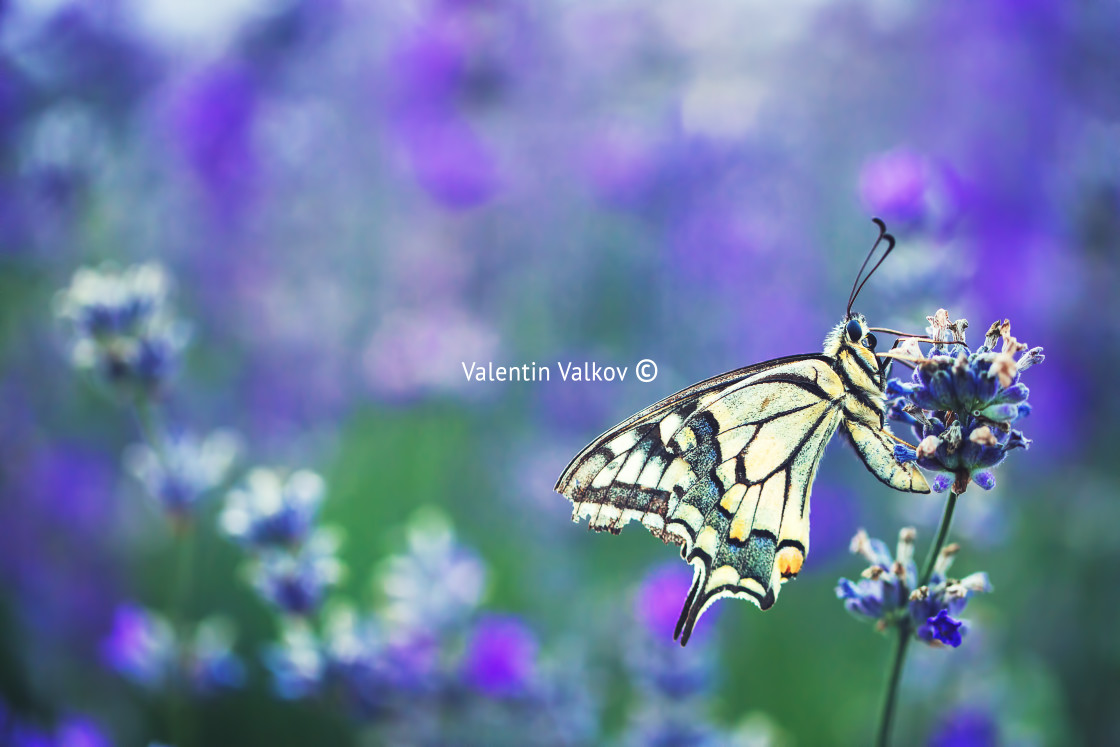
(942, 533)
(904, 627)
(179, 589)
(891, 695)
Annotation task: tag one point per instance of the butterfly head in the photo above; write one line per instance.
(854, 335)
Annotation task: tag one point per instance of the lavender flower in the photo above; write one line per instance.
(657, 666)
(27, 735)
(360, 665)
(186, 468)
(436, 584)
(213, 117)
(961, 405)
(966, 727)
(121, 327)
(501, 657)
(141, 646)
(907, 187)
(71, 731)
(78, 731)
(271, 510)
(297, 663)
(672, 682)
(941, 627)
(295, 581)
(886, 592)
(210, 664)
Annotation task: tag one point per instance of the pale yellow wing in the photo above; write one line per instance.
(723, 468)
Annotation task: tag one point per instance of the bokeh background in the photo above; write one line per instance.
(354, 198)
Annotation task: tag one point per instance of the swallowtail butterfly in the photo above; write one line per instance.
(724, 468)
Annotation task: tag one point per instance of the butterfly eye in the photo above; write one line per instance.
(870, 341)
(854, 330)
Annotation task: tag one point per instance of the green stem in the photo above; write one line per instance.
(146, 422)
(893, 678)
(179, 590)
(890, 698)
(942, 533)
(179, 705)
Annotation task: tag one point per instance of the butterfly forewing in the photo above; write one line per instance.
(723, 468)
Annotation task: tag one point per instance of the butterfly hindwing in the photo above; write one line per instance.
(723, 468)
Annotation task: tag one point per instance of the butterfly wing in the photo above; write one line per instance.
(723, 468)
(875, 446)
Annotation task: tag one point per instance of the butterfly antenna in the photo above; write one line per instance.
(890, 247)
(882, 233)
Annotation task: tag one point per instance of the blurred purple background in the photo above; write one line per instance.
(356, 198)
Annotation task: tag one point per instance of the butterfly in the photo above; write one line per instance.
(724, 468)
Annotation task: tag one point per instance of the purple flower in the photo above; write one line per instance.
(376, 673)
(942, 628)
(85, 54)
(657, 603)
(27, 735)
(662, 725)
(140, 646)
(451, 161)
(501, 656)
(906, 187)
(295, 581)
(961, 405)
(966, 727)
(271, 509)
(435, 70)
(656, 665)
(893, 185)
(436, 585)
(297, 663)
(214, 117)
(211, 665)
(888, 593)
(622, 166)
(884, 589)
(122, 328)
(186, 468)
(78, 731)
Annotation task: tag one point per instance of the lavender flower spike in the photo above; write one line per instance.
(962, 404)
(886, 592)
(295, 582)
(272, 509)
(121, 327)
(186, 469)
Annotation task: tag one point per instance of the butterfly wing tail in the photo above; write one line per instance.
(689, 614)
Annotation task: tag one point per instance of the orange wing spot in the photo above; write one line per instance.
(739, 529)
(789, 561)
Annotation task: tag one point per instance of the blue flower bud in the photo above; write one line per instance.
(942, 628)
(984, 479)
